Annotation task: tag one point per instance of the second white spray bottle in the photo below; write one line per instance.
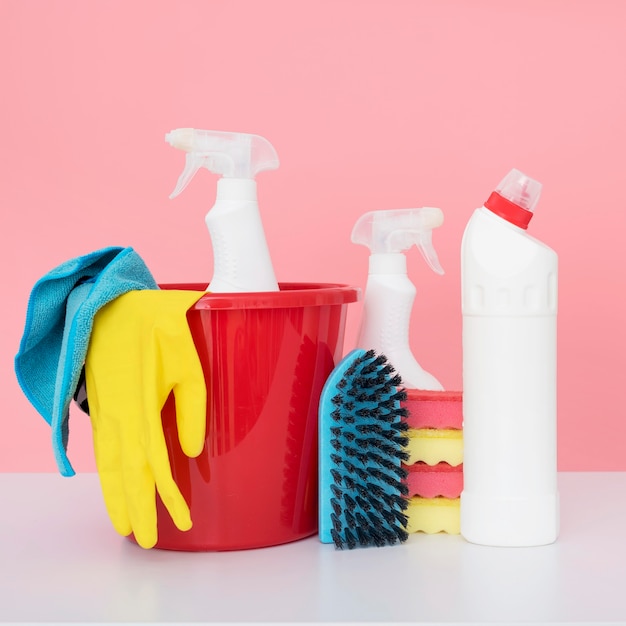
(389, 293)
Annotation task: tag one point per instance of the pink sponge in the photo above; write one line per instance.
(434, 409)
(431, 481)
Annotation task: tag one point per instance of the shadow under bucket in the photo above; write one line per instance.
(266, 357)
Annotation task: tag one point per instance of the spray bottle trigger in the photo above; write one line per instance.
(193, 163)
(215, 162)
(400, 240)
(425, 245)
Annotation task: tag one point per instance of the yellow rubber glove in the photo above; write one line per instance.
(140, 350)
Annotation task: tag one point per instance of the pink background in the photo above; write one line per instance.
(373, 104)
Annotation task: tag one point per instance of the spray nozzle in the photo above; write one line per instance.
(388, 232)
(233, 155)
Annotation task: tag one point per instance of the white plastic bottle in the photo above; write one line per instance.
(509, 304)
(389, 293)
(241, 258)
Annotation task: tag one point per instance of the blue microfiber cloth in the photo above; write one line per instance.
(59, 320)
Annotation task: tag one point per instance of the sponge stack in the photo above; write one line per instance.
(435, 465)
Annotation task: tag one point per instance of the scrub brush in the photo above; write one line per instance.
(362, 441)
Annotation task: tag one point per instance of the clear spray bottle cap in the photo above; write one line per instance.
(233, 155)
(396, 230)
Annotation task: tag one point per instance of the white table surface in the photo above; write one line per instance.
(61, 561)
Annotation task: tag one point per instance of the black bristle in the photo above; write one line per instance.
(349, 482)
(338, 493)
(382, 461)
(362, 520)
(391, 433)
(373, 381)
(350, 520)
(368, 429)
(400, 396)
(362, 473)
(401, 427)
(401, 502)
(402, 473)
(356, 454)
(383, 537)
(388, 406)
(364, 504)
(362, 535)
(393, 515)
(375, 504)
(350, 503)
(390, 515)
(374, 489)
(336, 520)
(336, 444)
(403, 413)
(337, 476)
(386, 414)
(349, 467)
(351, 371)
(337, 400)
(337, 538)
(383, 476)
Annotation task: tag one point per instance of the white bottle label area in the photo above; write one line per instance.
(387, 308)
(242, 260)
(509, 426)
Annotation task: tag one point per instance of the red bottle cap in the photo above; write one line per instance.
(508, 210)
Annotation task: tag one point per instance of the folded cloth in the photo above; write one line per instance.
(59, 320)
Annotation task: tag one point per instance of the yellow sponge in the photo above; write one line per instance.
(432, 446)
(434, 515)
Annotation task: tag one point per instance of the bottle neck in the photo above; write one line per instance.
(236, 190)
(508, 210)
(387, 263)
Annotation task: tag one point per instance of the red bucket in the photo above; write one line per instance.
(266, 357)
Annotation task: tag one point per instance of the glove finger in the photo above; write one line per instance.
(111, 483)
(141, 499)
(107, 452)
(191, 408)
(174, 502)
(158, 457)
(112, 486)
(166, 486)
(183, 373)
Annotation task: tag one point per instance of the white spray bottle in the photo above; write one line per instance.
(241, 256)
(389, 293)
(509, 303)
